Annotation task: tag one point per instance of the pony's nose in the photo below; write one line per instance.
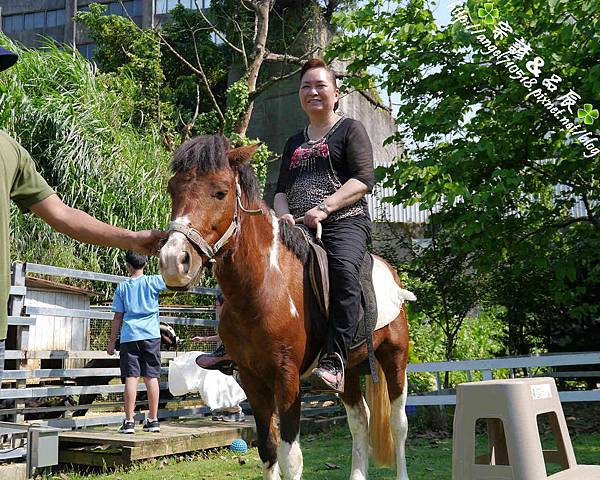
(184, 261)
(177, 263)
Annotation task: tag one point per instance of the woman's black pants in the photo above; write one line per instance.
(345, 241)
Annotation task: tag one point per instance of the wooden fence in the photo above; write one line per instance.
(22, 316)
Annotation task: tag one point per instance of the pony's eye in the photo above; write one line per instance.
(220, 195)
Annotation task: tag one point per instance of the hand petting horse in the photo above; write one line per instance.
(269, 322)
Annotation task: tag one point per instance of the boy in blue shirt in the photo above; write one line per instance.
(136, 305)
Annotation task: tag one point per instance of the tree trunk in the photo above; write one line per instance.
(262, 9)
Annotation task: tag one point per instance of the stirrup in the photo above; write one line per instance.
(321, 378)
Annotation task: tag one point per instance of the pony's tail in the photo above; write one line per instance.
(380, 433)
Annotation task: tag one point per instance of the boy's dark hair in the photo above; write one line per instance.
(136, 260)
(220, 299)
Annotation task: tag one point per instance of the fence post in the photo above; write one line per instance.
(15, 308)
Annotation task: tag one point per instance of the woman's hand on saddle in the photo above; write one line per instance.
(288, 218)
(314, 216)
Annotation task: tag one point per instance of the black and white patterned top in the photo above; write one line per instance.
(311, 171)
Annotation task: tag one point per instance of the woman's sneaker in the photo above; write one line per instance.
(329, 375)
(127, 427)
(151, 426)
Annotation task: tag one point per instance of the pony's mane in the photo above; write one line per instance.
(294, 240)
(208, 153)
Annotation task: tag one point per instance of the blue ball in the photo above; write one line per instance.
(239, 446)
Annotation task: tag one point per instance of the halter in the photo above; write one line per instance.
(198, 240)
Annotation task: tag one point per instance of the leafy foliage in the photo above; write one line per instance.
(488, 159)
(126, 50)
(55, 103)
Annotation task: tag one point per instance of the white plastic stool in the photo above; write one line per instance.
(515, 452)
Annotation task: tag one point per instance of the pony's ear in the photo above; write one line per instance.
(240, 155)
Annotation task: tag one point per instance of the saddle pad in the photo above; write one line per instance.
(382, 299)
(368, 303)
(390, 296)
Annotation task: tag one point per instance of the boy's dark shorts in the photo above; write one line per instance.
(140, 358)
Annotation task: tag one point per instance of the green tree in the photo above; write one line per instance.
(55, 103)
(125, 49)
(489, 157)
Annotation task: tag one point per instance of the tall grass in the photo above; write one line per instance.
(78, 126)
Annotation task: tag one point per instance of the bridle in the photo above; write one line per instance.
(196, 239)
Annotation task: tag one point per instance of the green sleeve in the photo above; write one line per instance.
(29, 187)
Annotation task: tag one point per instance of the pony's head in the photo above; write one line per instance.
(206, 190)
(168, 336)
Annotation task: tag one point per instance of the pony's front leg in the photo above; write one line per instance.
(262, 401)
(290, 455)
(358, 422)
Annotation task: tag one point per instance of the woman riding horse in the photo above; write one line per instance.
(272, 329)
(326, 170)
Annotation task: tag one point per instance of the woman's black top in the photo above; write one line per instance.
(313, 170)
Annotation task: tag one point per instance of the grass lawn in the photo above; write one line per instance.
(427, 460)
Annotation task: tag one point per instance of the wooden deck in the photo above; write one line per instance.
(107, 447)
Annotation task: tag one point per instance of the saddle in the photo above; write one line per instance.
(318, 272)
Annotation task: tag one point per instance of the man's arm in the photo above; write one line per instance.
(117, 319)
(85, 228)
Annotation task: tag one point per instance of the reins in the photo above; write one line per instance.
(199, 241)
(319, 227)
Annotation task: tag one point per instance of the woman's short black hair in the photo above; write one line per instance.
(136, 260)
(312, 63)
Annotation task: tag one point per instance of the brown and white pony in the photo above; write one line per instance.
(268, 323)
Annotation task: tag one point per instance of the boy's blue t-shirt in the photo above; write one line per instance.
(137, 298)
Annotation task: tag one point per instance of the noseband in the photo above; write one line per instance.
(195, 238)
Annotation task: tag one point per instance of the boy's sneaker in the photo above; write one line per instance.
(151, 426)
(127, 427)
(222, 416)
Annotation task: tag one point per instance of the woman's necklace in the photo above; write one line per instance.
(326, 130)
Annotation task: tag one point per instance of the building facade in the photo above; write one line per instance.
(30, 21)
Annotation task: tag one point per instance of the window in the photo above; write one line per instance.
(88, 50)
(7, 24)
(171, 4)
(17, 23)
(161, 7)
(39, 19)
(60, 17)
(115, 8)
(28, 24)
(138, 8)
(51, 18)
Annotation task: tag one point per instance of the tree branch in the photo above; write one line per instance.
(265, 85)
(588, 207)
(214, 29)
(198, 71)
